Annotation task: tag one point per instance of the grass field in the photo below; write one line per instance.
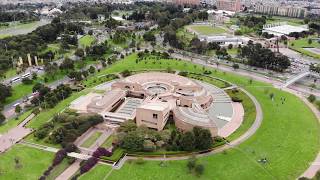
(32, 163)
(86, 40)
(98, 172)
(10, 73)
(249, 113)
(288, 137)
(19, 91)
(57, 170)
(4, 36)
(108, 142)
(91, 140)
(46, 115)
(300, 44)
(206, 29)
(290, 21)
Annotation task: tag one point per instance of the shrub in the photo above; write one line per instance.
(126, 73)
(312, 98)
(140, 161)
(191, 163)
(88, 165)
(236, 99)
(60, 155)
(199, 169)
(101, 152)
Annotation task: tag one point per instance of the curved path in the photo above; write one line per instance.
(232, 144)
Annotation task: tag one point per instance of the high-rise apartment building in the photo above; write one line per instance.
(229, 5)
(288, 11)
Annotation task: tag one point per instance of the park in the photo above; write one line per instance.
(285, 129)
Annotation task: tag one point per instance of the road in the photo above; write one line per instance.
(9, 109)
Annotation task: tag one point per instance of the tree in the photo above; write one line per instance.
(27, 81)
(5, 92)
(235, 66)
(203, 138)
(187, 141)
(149, 36)
(67, 64)
(127, 126)
(132, 142)
(191, 163)
(312, 98)
(34, 76)
(309, 41)
(230, 46)
(2, 118)
(199, 169)
(17, 109)
(79, 52)
(92, 69)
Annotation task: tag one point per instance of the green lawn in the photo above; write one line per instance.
(215, 82)
(206, 29)
(11, 123)
(22, 90)
(19, 91)
(46, 115)
(98, 172)
(288, 137)
(108, 142)
(57, 170)
(249, 113)
(290, 21)
(300, 44)
(86, 40)
(32, 163)
(91, 140)
(4, 36)
(10, 73)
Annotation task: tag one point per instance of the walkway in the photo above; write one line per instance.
(295, 78)
(70, 171)
(15, 134)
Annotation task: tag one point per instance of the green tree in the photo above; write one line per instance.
(203, 139)
(2, 118)
(17, 109)
(312, 98)
(187, 141)
(132, 142)
(199, 169)
(191, 163)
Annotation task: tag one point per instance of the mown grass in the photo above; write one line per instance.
(288, 137)
(206, 29)
(99, 171)
(91, 140)
(32, 163)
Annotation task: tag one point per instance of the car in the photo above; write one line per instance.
(16, 104)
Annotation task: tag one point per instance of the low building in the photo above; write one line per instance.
(282, 28)
(226, 40)
(151, 99)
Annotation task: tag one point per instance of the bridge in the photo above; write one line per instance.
(295, 79)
